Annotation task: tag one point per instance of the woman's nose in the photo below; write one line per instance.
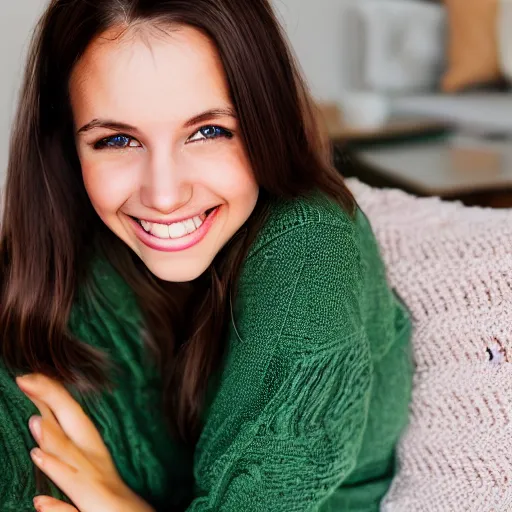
(165, 187)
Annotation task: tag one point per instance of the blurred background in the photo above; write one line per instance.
(414, 93)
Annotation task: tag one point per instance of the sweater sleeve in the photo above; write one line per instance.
(288, 416)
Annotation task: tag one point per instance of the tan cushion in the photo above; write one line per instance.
(472, 52)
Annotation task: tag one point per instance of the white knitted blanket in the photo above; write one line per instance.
(452, 265)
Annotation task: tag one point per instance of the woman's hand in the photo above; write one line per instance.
(72, 454)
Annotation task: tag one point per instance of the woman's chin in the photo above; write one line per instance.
(176, 271)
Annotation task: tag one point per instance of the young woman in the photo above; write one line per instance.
(173, 226)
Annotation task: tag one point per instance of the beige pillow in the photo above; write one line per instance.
(472, 52)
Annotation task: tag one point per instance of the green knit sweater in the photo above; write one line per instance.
(310, 401)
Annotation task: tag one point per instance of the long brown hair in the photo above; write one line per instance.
(49, 223)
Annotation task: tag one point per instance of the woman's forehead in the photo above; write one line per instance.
(136, 74)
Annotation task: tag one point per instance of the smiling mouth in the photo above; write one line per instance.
(176, 229)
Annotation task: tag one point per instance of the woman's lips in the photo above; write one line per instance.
(178, 243)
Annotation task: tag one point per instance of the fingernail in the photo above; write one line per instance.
(34, 424)
(39, 502)
(37, 455)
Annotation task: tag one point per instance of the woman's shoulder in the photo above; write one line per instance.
(315, 219)
(305, 268)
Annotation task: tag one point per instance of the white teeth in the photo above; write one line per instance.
(146, 225)
(177, 230)
(198, 222)
(174, 230)
(160, 230)
(190, 226)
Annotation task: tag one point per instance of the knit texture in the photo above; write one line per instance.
(452, 266)
(310, 401)
(317, 378)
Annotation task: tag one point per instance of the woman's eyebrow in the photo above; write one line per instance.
(106, 123)
(208, 115)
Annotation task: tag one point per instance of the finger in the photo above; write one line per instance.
(45, 412)
(53, 441)
(55, 396)
(65, 477)
(51, 438)
(86, 494)
(69, 414)
(47, 504)
(43, 408)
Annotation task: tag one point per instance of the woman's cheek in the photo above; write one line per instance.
(109, 184)
(223, 168)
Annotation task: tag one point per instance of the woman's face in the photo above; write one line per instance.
(162, 158)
